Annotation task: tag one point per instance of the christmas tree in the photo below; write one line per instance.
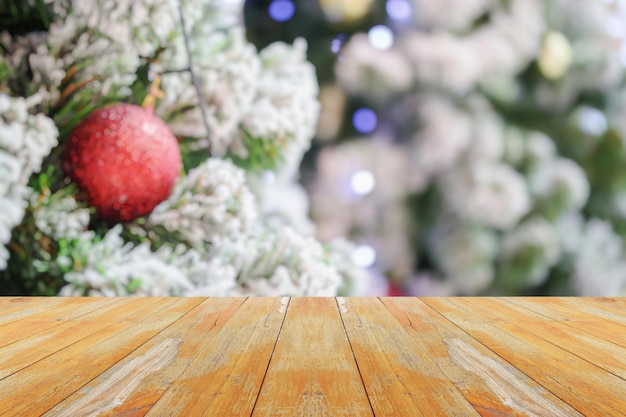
(476, 146)
(148, 148)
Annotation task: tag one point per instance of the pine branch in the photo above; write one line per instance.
(194, 79)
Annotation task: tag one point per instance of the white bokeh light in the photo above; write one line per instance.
(380, 37)
(269, 177)
(364, 256)
(592, 121)
(362, 182)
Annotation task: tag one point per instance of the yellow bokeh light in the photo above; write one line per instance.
(555, 56)
(345, 10)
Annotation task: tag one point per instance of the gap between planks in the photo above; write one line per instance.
(597, 392)
(445, 346)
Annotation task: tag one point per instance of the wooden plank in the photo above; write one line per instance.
(312, 371)
(572, 320)
(583, 385)
(606, 355)
(26, 308)
(400, 377)
(35, 323)
(225, 377)
(9, 305)
(39, 387)
(46, 341)
(584, 322)
(611, 328)
(490, 384)
(606, 308)
(135, 384)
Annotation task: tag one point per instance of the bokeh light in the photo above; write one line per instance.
(365, 120)
(335, 45)
(281, 10)
(269, 177)
(556, 55)
(362, 182)
(592, 121)
(364, 256)
(380, 37)
(345, 10)
(399, 10)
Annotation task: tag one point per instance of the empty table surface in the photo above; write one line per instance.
(491, 356)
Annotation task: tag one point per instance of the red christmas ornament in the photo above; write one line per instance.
(124, 160)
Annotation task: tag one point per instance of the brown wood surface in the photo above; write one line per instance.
(256, 357)
(313, 371)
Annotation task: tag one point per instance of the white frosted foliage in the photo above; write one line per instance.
(25, 140)
(213, 201)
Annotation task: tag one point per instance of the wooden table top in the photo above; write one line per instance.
(313, 356)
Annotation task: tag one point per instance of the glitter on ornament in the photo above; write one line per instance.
(124, 161)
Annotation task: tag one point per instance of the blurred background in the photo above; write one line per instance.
(468, 147)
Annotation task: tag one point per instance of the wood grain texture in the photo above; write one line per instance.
(611, 309)
(400, 377)
(312, 357)
(14, 307)
(142, 377)
(44, 315)
(47, 340)
(225, 377)
(607, 355)
(27, 392)
(493, 386)
(597, 392)
(312, 371)
(550, 311)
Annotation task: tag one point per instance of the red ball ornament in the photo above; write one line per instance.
(124, 160)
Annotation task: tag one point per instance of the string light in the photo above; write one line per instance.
(281, 10)
(365, 120)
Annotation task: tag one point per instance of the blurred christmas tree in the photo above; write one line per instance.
(474, 147)
(148, 148)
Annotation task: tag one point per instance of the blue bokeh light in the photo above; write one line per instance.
(335, 45)
(399, 10)
(281, 10)
(364, 120)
